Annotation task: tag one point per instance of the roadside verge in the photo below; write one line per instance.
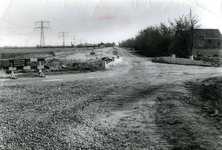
(181, 61)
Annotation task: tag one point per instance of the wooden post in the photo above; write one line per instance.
(104, 64)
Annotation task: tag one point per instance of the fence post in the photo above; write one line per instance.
(104, 64)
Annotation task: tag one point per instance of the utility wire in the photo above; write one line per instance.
(18, 28)
(15, 23)
(15, 33)
(52, 33)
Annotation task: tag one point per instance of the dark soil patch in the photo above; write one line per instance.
(187, 116)
(209, 92)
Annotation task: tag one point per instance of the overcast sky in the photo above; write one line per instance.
(95, 21)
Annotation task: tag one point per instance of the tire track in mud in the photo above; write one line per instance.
(158, 115)
(130, 120)
(180, 121)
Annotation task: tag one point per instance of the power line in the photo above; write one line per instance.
(14, 33)
(14, 23)
(63, 35)
(53, 34)
(42, 37)
(15, 28)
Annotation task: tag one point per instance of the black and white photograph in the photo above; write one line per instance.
(110, 75)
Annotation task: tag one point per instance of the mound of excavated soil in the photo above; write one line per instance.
(58, 64)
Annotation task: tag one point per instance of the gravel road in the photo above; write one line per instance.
(134, 105)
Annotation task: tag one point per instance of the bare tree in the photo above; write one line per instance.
(183, 28)
(162, 40)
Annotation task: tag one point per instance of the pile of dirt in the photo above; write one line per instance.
(60, 66)
(216, 61)
(210, 94)
(64, 64)
(106, 59)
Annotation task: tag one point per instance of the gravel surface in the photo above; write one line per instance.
(136, 105)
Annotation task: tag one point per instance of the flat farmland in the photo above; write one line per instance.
(8, 53)
(28, 50)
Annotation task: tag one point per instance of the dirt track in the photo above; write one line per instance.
(136, 105)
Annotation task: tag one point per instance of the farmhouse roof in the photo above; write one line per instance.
(209, 33)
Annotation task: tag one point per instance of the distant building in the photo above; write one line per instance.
(102, 46)
(207, 38)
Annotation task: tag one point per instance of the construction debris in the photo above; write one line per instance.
(13, 75)
(41, 74)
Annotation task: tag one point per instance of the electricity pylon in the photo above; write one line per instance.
(63, 35)
(80, 40)
(42, 37)
(26, 42)
(74, 39)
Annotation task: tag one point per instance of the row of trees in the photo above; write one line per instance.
(107, 44)
(161, 40)
(96, 45)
